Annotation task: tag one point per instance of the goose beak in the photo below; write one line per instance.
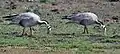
(49, 29)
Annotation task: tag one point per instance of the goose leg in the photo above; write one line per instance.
(31, 31)
(84, 30)
(23, 33)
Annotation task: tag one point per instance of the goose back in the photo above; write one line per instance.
(78, 17)
(87, 16)
(23, 16)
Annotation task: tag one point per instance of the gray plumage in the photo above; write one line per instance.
(85, 19)
(28, 19)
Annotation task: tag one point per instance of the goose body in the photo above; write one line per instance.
(85, 19)
(28, 16)
(29, 19)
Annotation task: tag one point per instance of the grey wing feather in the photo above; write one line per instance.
(81, 16)
(19, 17)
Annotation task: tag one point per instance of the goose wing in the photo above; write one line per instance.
(27, 15)
(81, 16)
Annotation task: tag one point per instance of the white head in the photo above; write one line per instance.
(104, 28)
(101, 25)
(49, 29)
(47, 23)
